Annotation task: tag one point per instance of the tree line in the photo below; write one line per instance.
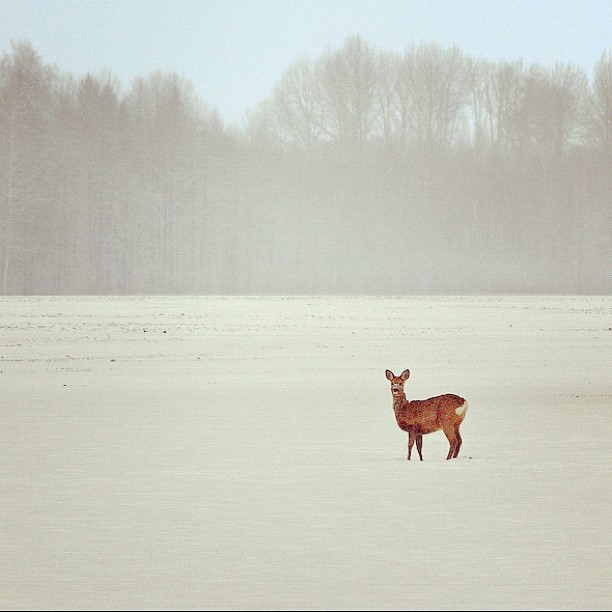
(365, 171)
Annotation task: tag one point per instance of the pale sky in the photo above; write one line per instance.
(234, 51)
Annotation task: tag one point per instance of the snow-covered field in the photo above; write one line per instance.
(242, 453)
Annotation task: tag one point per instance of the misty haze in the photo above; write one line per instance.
(196, 319)
(366, 172)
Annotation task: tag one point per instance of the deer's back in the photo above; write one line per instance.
(428, 415)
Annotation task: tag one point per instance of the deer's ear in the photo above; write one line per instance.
(389, 374)
(405, 375)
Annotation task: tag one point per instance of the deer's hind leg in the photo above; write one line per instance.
(419, 443)
(458, 441)
(451, 436)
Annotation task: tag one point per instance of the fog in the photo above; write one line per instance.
(196, 319)
(365, 172)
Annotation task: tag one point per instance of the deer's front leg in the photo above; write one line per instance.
(411, 439)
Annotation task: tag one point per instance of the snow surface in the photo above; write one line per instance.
(242, 453)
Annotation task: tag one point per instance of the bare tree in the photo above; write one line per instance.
(600, 125)
(25, 107)
(349, 82)
(478, 80)
(389, 101)
(551, 109)
(437, 81)
(168, 118)
(501, 90)
(296, 105)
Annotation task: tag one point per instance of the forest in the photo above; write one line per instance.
(365, 172)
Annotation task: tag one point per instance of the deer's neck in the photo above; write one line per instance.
(399, 404)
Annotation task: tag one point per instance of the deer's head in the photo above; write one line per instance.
(397, 382)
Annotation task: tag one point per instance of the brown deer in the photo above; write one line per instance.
(418, 417)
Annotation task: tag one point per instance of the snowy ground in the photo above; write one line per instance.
(241, 453)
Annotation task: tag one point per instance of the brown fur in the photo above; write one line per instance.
(419, 417)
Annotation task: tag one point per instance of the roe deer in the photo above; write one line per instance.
(418, 417)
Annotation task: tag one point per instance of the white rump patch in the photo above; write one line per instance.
(461, 409)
